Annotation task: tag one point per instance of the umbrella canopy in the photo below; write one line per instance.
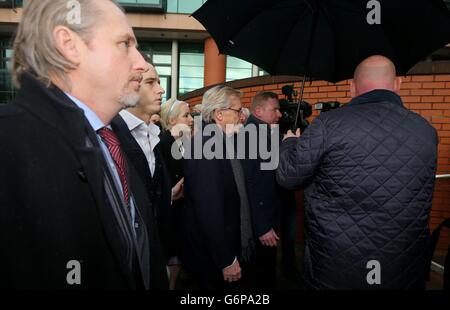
(325, 39)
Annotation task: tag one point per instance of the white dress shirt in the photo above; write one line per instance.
(147, 136)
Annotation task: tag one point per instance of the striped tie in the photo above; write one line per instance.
(113, 144)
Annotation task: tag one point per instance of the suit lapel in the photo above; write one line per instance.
(59, 112)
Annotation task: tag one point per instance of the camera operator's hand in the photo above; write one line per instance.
(290, 134)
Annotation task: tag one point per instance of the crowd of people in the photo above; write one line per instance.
(97, 169)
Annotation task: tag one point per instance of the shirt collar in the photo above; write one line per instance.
(134, 122)
(92, 118)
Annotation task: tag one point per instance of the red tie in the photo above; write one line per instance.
(113, 144)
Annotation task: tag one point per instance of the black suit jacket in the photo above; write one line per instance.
(212, 214)
(262, 188)
(158, 186)
(53, 205)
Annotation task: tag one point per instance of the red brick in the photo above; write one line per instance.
(439, 78)
(411, 85)
(404, 92)
(432, 99)
(443, 106)
(311, 89)
(327, 89)
(270, 87)
(433, 85)
(431, 112)
(337, 94)
(319, 83)
(408, 99)
(445, 141)
(316, 95)
(441, 120)
(420, 106)
(421, 92)
(406, 78)
(447, 99)
(257, 88)
(250, 94)
(444, 147)
(446, 127)
(447, 85)
(344, 82)
(446, 113)
(444, 133)
(442, 92)
(422, 78)
(344, 100)
(343, 88)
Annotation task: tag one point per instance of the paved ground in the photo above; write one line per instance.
(435, 283)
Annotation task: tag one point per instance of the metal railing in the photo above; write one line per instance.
(435, 266)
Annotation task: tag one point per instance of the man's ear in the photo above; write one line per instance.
(352, 89)
(218, 115)
(66, 42)
(397, 84)
(257, 111)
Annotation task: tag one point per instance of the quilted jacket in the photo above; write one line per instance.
(368, 170)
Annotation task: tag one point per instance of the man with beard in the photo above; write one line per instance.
(73, 212)
(140, 140)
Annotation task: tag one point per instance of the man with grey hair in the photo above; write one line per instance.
(218, 230)
(73, 212)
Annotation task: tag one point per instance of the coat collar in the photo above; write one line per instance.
(377, 95)
(51, 106)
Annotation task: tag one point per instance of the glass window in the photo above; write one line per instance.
(141, 1)
(7, 91)
(192, 64)
(162, 59)
(160, 53)
(262, 72)
(184, 6)
(188, 6)
(163, 70)
(238, 69)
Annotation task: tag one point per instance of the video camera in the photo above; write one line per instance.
(289, 108)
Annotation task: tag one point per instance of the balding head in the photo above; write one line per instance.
(375, 72)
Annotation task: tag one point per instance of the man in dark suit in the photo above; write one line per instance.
(140, 140)
(73, 212)
(262, 189)
(218, 234)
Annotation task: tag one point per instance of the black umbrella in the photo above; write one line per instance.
(325, 39)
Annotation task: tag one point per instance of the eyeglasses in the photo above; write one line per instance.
(238, 111)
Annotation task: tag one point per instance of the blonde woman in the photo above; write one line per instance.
(176, 121)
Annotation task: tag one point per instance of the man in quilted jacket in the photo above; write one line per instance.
(368, 170)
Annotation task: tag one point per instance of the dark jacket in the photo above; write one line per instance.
(159, 189)
(212, 214)
(53, 204)
(263, 193)
(175, 166)
(369, 172)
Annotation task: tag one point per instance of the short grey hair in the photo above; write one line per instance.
(217, 98)
(34, 47)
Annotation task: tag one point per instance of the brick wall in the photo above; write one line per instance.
(428, 95)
